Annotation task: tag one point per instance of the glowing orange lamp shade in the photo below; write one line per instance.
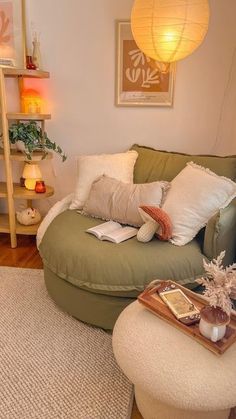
(31, 101)
(169, 30)
(32, 174)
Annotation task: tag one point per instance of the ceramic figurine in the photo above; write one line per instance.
(28, 216)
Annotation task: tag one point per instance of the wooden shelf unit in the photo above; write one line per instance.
(9, 190)
(23, 72)
(18, 156)
(20, 229)
(27, 117)
(23, 193)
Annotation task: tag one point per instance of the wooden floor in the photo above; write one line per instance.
(27, 256)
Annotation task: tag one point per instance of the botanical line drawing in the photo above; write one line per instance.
(138, 57)
(133, 74)
(150, 77)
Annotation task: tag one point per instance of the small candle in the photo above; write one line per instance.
(40, 186)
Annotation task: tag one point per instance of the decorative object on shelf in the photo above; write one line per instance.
(31, 173)
(12, 37)
(29, 63)
(33, 138)
(220, 286)
(28, 216)
(40, 186)
(141, 81)
(36, 52)
(169, 31)
(22, 181)
(31, 101)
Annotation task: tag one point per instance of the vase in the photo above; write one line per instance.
(213, 323)
(37, 55)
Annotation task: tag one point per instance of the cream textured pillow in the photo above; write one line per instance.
(196, 194)
(110, 199)
(120, 166)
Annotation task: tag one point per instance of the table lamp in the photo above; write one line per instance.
(31, 174)
(31, 101)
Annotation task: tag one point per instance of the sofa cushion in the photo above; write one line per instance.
(195, 196)
(119, 165)
(111, 199)
(115, 269)
(153, 165)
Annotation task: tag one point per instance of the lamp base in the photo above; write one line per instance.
(30, 184)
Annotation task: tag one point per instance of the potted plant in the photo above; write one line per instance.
(220, 287)
(29, 137)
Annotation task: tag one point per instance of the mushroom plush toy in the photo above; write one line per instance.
(156, 221)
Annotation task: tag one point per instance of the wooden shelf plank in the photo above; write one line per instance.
(20, 229)
(16, 72)
(3, 190)
(27, 116)
(4, 223)
(23, 193)
(19, 156)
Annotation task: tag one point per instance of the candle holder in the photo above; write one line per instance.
(40, 186)
(29, 63)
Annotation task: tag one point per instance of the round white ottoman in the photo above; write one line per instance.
(174, 376)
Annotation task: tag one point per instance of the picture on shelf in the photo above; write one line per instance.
(12, 33)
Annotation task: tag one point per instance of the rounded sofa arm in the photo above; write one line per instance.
(220, 234)
(57, 209)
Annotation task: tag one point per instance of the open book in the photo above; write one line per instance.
(113, 232)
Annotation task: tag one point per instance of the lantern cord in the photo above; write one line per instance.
(227, 88)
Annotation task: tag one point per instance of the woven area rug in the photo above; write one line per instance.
(51, 365)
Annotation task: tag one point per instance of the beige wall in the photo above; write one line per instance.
(78, 48)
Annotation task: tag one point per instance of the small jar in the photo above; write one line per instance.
(40, 186)
(29, 63)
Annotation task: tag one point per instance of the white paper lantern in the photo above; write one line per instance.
(169, 30)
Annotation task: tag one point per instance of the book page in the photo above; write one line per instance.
(104, 228)
(121, 234)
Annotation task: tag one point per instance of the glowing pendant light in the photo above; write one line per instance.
(169, 30)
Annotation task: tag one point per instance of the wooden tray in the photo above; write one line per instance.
(151, 300)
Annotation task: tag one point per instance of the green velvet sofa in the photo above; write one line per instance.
(94, 280)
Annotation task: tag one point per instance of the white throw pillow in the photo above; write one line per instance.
(196, 194)
(119, 166)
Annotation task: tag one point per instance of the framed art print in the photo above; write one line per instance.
(140, 81)
(12, 33)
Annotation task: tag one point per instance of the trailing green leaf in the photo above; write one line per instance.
(30, 133)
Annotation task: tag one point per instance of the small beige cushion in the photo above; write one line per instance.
(110, 199)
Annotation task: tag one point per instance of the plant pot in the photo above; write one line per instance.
(213, 323)
(20, 146)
